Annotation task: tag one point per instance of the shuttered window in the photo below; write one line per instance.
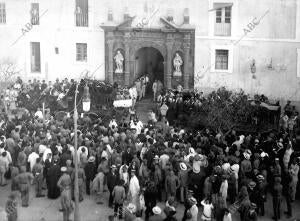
(81, 52)
(35, 57)
(221, 60)
(2, 13)
(81, 13)
(35, 17)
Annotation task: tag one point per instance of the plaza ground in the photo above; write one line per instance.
(44, 209)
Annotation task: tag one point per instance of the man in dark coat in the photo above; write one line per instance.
(187, 205)
(277, 197)
(112, 179)
(53, 176)
(288, 194)
(47, 165)
(127, 156)
(66, 155)
(90, 172)
(150, 196)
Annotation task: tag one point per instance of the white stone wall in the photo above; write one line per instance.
(277, 36)
(57, 29)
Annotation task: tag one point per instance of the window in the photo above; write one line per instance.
(227, 14)
(223, 19)
(35, 57)
(81, 52)
(35, 14)
(219, 15)
(81, 13)
(2, 13)
(221, 62)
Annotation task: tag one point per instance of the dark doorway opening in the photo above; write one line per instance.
(149, 60)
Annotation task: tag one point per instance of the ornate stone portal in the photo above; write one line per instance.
(169, 40)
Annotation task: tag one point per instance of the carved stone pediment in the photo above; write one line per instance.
(127, 23)
(168, 25)
(136, 24)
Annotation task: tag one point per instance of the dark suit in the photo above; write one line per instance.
(90, 171)
(127, 157)
(277, 196)
(111, 183)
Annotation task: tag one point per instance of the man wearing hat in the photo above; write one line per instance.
(64, 184)
(64, 181)
(90, 172)
(246, 166)
(119, 197)
(156, 214)
(196, 181)
(233, 183)
(277, 196)
(81, 180)
(150, 197)
(261, 199)
(251, 214)
(183, 180)
(37, 171)
(276, 169)
(98, 185)
(171, 184)
(24, 179)
(224, 188)
(112, 179)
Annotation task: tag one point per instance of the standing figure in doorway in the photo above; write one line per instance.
(154, 89)
(143, 87)
(138, 85)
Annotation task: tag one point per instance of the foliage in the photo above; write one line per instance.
(226, 109)
(8, 70)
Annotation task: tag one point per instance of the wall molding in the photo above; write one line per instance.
(247, 39)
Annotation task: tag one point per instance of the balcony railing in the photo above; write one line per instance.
(82, 19)
(222, 29)
(35, 20)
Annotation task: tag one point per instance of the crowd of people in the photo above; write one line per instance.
(214, 174)
(16, 95)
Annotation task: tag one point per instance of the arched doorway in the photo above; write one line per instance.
(149, 60)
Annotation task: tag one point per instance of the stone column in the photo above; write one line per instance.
(127, 60)
(110, 77)
(186, 51)
(168, 72)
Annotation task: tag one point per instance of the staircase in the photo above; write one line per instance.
(143, 107)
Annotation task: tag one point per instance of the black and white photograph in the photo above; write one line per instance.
(149, 110)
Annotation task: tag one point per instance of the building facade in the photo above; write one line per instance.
(253, 45)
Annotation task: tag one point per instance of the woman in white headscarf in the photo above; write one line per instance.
(134, 189)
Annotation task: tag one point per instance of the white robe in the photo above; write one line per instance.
(134, 189)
